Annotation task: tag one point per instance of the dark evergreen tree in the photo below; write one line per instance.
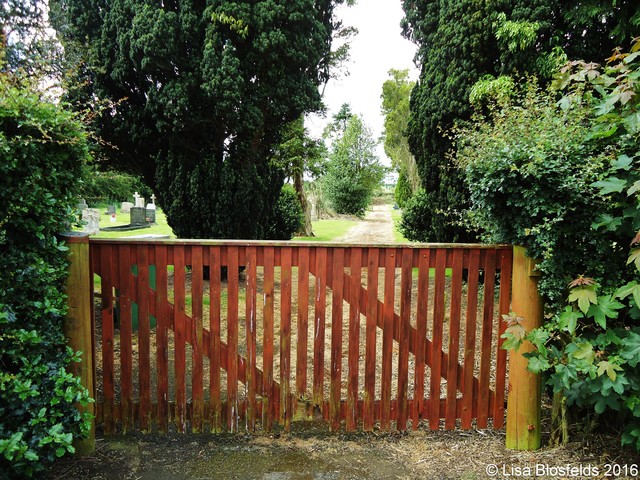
(463, 41)
(197, 96)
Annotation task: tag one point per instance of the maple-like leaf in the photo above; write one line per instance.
(568, 320)
(585, 296)
(605, 308)
(582, 280)
(608, 368)
(585, 352)
(631, 349)
(610, 185)
(631, 288)
(514, 333)
(634, 257)
(623, 162)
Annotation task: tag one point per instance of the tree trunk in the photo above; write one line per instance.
(306, 230)
(559, 420)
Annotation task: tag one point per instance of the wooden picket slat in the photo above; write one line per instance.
(107, 258)
(336, 339)
(215, 400)
(404, 324)
(286, 404)
(251, 336)
(420, 339)
(144, 333)
(268, 410)
(487, 332)
(354, 339)
(125, 268)
(303, 322)
(197, 384)
(368, 415)
(319, 326)
(180, 339)
(387, 338)
(232, 339)
(506, 265)
(162, 347)
(470, 338)
(436, 344)
(126, 388)
(454, 338)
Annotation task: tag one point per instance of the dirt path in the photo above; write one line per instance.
(376, 227)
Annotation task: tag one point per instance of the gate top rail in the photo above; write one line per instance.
(289, 243)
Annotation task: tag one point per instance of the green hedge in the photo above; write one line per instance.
(42, 149)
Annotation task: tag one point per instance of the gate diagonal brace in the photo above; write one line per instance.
(396, 319)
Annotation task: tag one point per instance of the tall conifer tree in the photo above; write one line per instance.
(197, 95)
(464, 41)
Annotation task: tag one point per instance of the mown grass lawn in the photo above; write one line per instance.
(328, 230)
(324, 230)
(161, 227)
(396, 215)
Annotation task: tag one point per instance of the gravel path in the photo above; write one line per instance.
(376, 227)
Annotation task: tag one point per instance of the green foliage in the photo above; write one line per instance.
(42, 149)
(26, 48)
(198, 94)
(353, 170)
(111, 186)
(288, 215)
(461, 42)
(411, 224)
(590, 351)
(403, 191)
(530, 173)
(395, 108)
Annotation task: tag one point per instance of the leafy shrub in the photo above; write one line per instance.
(346, 195)
(103, 187)
(529, 171)
(42, 149)
(287, 217)
(590, 349)
(403, 191)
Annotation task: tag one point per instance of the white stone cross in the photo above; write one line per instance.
(136, 196)
(153, 198)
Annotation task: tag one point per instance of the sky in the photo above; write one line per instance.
(378, 47)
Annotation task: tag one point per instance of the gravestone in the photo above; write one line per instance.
(82, 205)
(151, 213)
(138, 200)
(126, 207)
(138, 216)
(111, 209)
(91, 219)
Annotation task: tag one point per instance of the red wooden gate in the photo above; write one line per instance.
(354, 335)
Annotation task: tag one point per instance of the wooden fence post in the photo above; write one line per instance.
(524, 399)
(77, 325)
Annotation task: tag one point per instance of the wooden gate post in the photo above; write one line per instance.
(524, 399)
(77, 325)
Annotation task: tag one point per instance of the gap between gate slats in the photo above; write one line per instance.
(359, 336)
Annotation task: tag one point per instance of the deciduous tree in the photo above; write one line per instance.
(353, 169)
(395, 107)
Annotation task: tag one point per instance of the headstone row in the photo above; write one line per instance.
(139, 213)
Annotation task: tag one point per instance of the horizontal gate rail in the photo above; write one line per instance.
(241, 335)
